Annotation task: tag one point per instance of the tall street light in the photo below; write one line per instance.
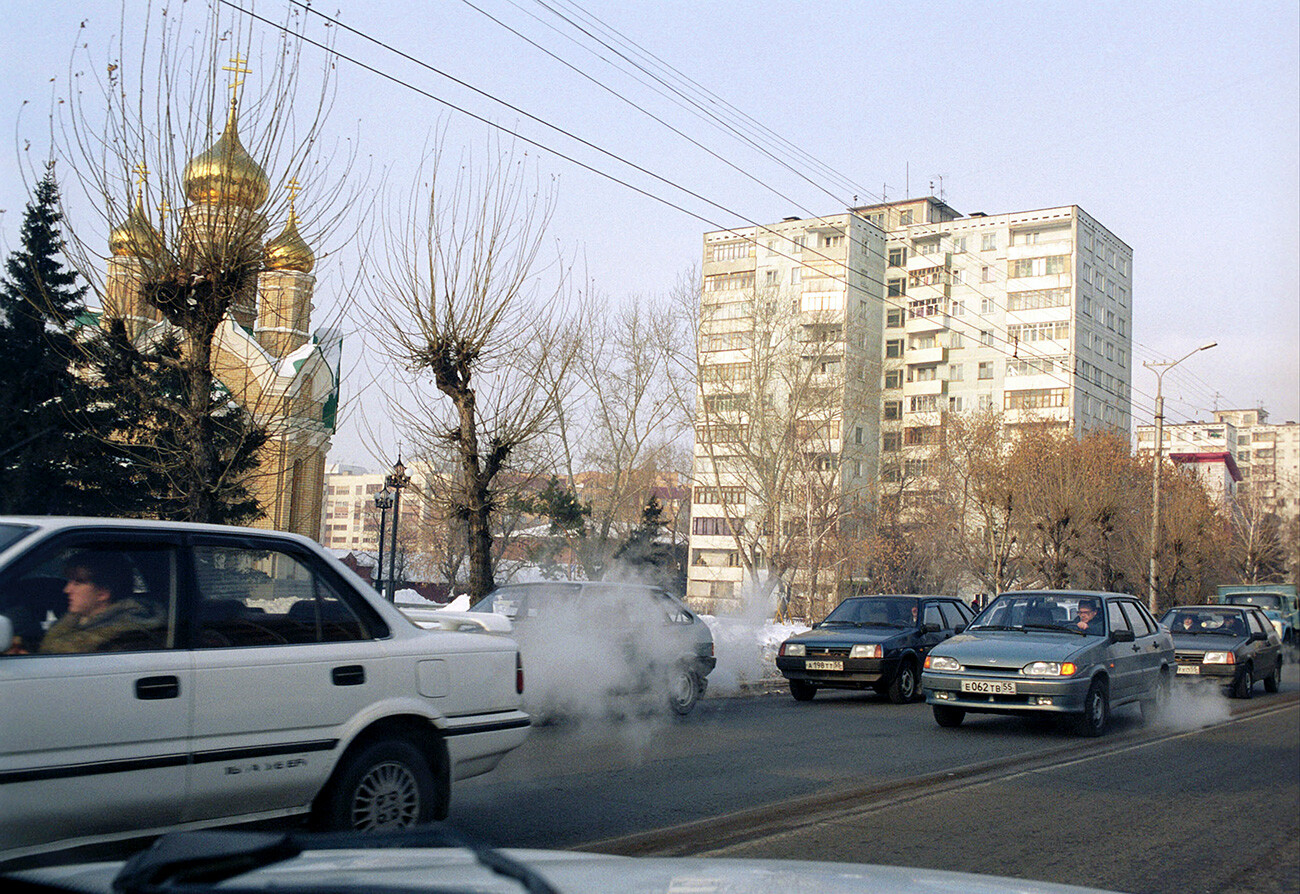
(1155, 465)
(383, 502)
(396, 480)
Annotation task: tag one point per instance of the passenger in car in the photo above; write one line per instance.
(102, 615)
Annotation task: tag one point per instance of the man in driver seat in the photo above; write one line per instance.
(100, 607)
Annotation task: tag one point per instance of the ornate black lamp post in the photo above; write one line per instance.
(383, 502)
(396, 480)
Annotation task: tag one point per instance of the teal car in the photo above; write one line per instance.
(1076, 654)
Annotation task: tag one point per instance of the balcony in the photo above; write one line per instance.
(917, 262)
(932, 386)
(935, 322)
(925, 356)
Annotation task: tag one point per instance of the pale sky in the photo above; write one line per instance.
(1175, 125)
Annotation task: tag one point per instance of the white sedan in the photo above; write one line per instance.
(160, 676)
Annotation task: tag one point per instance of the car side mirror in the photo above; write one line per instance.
(1254, 637)
(6, 634)
(931, 627)
(959, 628)
(1122, 636)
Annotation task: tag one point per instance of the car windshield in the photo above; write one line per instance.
(873, 611)
(1263, 600)
(1205, 621)
(1043, 611)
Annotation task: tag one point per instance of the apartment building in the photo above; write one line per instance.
(350, 520)
(1266, 455)
(1026, 313)
(787, 415)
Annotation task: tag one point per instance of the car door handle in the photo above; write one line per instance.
(348, 675)
(1136, 647)
(150, 689)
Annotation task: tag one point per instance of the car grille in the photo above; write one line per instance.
(1188, 657)
(827, 652)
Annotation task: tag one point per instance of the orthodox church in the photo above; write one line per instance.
(264, 353)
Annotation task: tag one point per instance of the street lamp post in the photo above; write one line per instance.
(396, 480)
(1155, 465)
(383, 502)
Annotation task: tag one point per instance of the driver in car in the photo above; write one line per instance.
(100, 607)
(1089, 619)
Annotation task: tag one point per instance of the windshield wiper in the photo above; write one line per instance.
(994, 627)
(191, 861)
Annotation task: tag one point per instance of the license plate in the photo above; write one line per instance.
(988, 687)
(824, 665)
(1188, 669)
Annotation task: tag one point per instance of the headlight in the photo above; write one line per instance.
(862, 651)
(793, 650)
(1049, 669)
(942, 663)
(1219, 658)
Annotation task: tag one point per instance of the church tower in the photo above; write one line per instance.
(265, 353)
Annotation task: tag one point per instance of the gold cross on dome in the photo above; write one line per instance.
(141, 175)
(163, 208)
(293, 187)
(239, 67)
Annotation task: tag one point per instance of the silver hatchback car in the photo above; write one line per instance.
(1077, 653)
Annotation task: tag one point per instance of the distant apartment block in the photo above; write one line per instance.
(1265, 455)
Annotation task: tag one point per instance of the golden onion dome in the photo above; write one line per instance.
(226, 173)
(288, 251)
(135, 236)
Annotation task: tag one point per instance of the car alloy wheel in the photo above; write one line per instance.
(683, 690)
(1244, 686)
(385, 785)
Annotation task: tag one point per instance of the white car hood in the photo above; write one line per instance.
(572, 872)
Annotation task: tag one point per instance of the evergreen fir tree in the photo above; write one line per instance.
(50, 463)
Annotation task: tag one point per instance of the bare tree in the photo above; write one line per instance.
(177, 130)
(459, 296)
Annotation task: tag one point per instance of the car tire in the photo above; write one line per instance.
(1154, 708)
(1244, 685)
(385, 785)
(1274, 680)
(949, 717)
(802, 690)
(684, 690)
(903, 689)
(1096, 711)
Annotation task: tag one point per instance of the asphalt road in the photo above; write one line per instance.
(1207, 801)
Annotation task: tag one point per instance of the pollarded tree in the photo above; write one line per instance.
(459, 305)
(158, 146)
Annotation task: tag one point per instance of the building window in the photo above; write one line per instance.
(896, 287)
(989, 242)
(958, 244)
(956, 340)
(893, 318)
(905, 217)
(897, 257)
(831, 241)
(894, 378)
(1037, 299)
(954, 404)
(986, 305)
(986, 369)
(894, 347)
(890, 441)
(796, 276)
(958, 308)
(730, 251)
(986, 337)
(956, 276)
(986, 274)
(893, 409)
(1039, 266)
(924, 403)
(771, 277)
(1032, 332)
(956, 372)
(1035, 399)
(726, 281)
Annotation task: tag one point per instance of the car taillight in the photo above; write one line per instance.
(519, 674)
